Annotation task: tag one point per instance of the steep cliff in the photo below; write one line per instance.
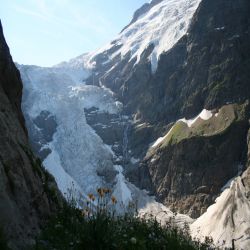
(28, 194)
(192, 162)
(227, 221)
(208, 67)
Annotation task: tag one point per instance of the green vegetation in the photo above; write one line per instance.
(219, 124)
(178, 132)
(98, 228)
(215, 125)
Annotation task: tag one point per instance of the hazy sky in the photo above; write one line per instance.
(45, 32)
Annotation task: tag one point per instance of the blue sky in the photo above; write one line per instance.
(45, 32)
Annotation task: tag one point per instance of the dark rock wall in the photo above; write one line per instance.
(188, 176)
(10, 79)
(216, 67)
(28, 195)
(207, 68)
(213, 71)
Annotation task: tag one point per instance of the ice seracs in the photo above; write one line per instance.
(77, 152)
(78, 155)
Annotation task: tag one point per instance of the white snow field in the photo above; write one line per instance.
(163, 25)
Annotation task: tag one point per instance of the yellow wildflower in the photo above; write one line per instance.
(100, 192)
(114, 201)
(91, 197)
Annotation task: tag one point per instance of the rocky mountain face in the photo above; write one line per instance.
(207, 68)
(28, 194)
(191, 165)
(212, 71)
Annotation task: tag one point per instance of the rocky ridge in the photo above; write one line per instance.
(28, 194)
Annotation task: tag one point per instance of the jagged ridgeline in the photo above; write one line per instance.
(160, 116)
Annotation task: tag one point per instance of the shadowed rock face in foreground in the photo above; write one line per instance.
(25, 202)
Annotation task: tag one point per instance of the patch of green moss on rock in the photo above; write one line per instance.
(221, 120)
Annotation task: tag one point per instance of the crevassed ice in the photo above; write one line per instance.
(77, 151)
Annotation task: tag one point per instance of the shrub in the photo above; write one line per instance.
(98, 227)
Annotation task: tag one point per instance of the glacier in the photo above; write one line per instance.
(77, 151)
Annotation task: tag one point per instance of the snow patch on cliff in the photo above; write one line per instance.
(204, 115)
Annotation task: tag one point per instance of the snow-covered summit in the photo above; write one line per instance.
(163, 25)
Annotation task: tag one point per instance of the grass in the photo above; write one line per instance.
(100, 229)
(215, 125)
